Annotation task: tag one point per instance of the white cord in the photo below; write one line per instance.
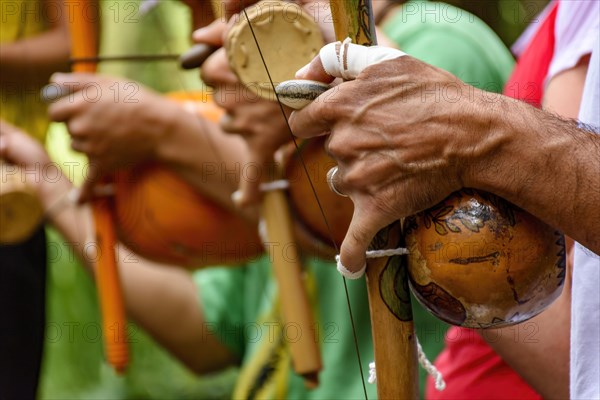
(425, 363)
(430, 368)
(400, 251)
(370, 254)
(262, 231)
(69, 198)
(343, 59)
(372, 373)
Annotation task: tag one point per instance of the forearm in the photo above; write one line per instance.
(31, 61)
(203, 155)
(539, 349)
(162, 299)
(543, 164)
(75, 223)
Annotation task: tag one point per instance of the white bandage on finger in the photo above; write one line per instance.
(347, 60)
(347, 273)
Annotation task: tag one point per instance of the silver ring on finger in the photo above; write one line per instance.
(331, 181)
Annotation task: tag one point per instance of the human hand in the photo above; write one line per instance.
(259, 121)
(44, 176)
(401, 145)
(116, 123)
(18, 148)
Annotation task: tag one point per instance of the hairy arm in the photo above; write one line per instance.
(543, 164)
(446, 135)
(539, 349)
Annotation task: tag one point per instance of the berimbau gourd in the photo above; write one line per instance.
(475, 260)
(162, 217)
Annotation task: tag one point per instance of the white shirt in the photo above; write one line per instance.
(585, 307)
(576, 31)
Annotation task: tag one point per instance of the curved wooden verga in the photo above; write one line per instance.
(83, 29)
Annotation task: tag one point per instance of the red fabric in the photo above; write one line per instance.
(471, 369)
(527, 80)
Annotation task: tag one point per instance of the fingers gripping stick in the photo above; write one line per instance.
(339, 60)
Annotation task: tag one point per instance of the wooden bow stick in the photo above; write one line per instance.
(295, 306)
(394, 338)
(84, 45)
(288, 271)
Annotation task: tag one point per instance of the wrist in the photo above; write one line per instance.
(177, 123)
(494, 143)
(53, 194)
(166, 123)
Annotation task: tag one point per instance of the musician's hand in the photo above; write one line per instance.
(116, 123)
(259, 121)
(19, 148)
(401, 146)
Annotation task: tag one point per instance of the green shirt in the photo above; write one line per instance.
(239, 307)
(452, 39)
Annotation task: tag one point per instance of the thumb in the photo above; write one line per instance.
(351, 262)
(314, 71)
(62, 85)
(345, 60)
(212, 34)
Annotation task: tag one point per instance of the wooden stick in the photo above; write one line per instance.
(394, 338)
(84, 45)
(295, 306)
(110, 294)
(387, 278)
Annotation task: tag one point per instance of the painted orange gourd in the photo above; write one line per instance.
(478, 261)
(475, 260)
(161, 217)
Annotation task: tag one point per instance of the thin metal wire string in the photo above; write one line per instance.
(322, 211)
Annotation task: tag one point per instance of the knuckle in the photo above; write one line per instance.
(354, 179)
(337, 147)
(77, 128)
